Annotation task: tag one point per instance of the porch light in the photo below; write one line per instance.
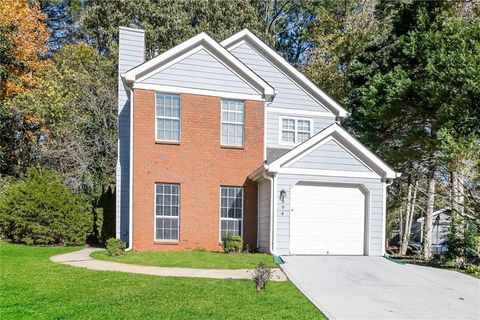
(283, 195)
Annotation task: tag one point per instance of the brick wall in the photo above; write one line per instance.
(199, 164)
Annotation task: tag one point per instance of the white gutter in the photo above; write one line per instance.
(130, 191)
(272, 210)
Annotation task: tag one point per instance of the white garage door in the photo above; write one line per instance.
(327, 220)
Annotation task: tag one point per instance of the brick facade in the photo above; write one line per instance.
(199, 164)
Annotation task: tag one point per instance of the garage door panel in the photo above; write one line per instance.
(327, 220)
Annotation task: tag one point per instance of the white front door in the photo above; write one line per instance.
(327, 220)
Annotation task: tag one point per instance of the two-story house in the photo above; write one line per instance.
(218, 138)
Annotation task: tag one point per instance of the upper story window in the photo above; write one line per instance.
(167, 117)
(295, 130)
(232, 123)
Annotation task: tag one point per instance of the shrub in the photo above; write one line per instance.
(261, 275)
(115, 247)
(41, 210)
(473, 270)
(232, 244)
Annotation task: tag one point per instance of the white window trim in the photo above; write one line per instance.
(220, 211)
(232, 122)
(155, 213)
(280, 129)
(169, 118)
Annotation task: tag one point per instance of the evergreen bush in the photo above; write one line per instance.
(115, 247)
(41, 210)
(232, 244)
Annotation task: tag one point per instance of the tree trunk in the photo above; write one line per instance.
(412, 198)
(456, 239)
(427, 229)
(404, 222)
(458, 197)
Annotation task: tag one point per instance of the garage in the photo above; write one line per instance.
(327, 219)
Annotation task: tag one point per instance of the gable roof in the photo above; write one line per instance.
(348, 142)
(192, 45)
(247, 36)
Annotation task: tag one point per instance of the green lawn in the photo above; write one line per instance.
(190, 259)
(32, 287)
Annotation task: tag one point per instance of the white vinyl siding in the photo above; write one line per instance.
(231, 211)
(167, 117)
(232, 123)
(295, 130)
(167, 211)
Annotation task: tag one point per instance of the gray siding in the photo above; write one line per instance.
(273, 127)
(290, 95)
(131, 54)
(287, 181)
(331, 156)
(264, 216)
(201, 71)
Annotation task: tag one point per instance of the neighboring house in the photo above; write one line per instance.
(218, 138)
(441, 229)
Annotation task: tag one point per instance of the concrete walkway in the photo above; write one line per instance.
(82, 259)
(376, 288)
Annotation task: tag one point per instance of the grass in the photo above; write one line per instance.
(190, 259)
(32, 287)
(440, 264)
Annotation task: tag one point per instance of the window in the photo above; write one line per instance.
(232, 123)
(295, 130)
(231, 211)
(168, 117)
(167, 210)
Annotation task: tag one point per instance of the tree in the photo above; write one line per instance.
(406, 86)
(288, 26)
(23, 39)
(62, 19)
(168, 24)
(77, 100)
(340, 32)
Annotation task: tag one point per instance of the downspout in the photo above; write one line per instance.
(130, 193)
(272, 210)
(271, 247)
(386, 183)
(267, 103)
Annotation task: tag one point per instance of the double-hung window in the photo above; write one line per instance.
(231, 211)
(167, 117)
(294, 130)
(167, 211)
(232, 123)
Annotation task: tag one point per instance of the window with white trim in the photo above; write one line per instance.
(231, 211)
(168, 117)
(167, 211)
(232, 123)
(294, 130)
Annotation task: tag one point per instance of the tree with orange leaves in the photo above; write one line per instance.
(23, 42)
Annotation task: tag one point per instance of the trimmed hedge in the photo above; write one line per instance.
(116, 247)
(41, 210)
(232, 244)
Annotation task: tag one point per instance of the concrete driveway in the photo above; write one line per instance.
(376, 288)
